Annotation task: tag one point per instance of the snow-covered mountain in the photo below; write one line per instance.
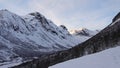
(83, 34)
(30, 36)
(106, 59)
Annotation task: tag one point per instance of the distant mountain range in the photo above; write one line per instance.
(84, 32)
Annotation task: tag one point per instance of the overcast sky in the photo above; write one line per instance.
(74, 14)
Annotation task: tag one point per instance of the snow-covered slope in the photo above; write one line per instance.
(31, 36)
(106, 59)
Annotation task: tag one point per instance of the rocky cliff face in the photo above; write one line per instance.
(30, 36)
(107, 38)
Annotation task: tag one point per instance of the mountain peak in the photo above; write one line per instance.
(84, 32)
(3, 10)
(64, 27)
(36, 14)
(82, 29)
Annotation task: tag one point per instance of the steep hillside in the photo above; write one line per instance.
(106, 59)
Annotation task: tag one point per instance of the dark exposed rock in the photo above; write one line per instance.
(83, 32)
(63, 27)
(36, 14)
